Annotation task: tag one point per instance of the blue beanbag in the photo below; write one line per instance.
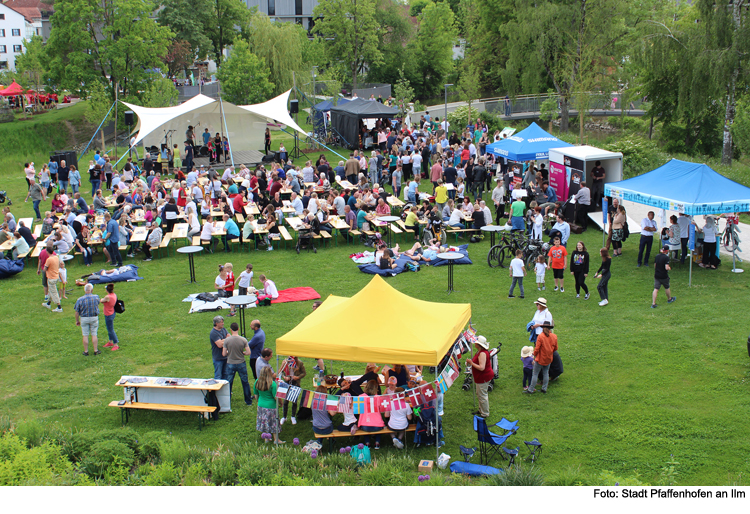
(474, 470)
(372, 269)
(8, 268)
(463, 249)
(126, 276)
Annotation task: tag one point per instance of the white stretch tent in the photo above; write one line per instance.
(245, 125)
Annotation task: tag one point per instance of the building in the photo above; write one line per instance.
(295, 11)
(20, 20)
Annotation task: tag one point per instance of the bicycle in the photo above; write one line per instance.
(729, 238)
(534, 249)
(506, 249)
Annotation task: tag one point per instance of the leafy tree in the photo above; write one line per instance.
(223, 21)
(187, 19)
(32, 62)
(179, 57)
(487, 41)
(741, 126)
(351, 33)
(244, 76)
(98, 105)
(416, 6)
(403, 93)
(432, 49)
(395, 32)
(468, 85)
(160, 93)
(725, 57)
(114, 42)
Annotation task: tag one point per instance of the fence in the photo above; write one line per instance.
(185, 93)
(533, 103)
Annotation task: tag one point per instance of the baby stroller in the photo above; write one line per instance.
(429, 429)
(305, 240)
(4, 196)
(469, 379)
(434, 230)
(372, 241)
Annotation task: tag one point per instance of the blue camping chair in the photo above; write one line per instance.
(535, 447)
(489, 442)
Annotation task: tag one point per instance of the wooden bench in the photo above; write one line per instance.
(285, 236)
(458, 231)
(240, 218)
(165, 242)
(337, 433)
(325, 235)
(196, 240)
(125, 408)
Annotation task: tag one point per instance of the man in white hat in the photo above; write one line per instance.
(481, 370)
(546, 346)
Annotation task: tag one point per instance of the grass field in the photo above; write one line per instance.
(641, 387)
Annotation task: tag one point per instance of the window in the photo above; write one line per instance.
(38, 31)
(298, 7)
(2, 32)
(17, 48)
(2, 16)
(15, 32)
(2, 49)
(272, 7)
(3, 65)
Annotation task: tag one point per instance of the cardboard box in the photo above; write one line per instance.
(425, 466)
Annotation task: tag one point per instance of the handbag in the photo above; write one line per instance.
(625, 231)
(119, 306)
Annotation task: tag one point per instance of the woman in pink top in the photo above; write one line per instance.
(373, 421)
(109, 302)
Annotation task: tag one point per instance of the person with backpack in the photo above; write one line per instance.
(110, 303)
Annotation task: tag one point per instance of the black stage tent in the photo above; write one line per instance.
(345, 118)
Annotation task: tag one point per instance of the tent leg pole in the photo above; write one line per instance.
(437, 417)
(690, 275)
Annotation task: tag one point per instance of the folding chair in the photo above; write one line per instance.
(511, 426)
(511, 454)
(535, 447)
(488, 442)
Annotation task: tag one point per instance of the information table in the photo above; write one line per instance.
(190, 250)
(242, 301)
(450, 257)
(160, 390)
(493, 229)
(388, 220)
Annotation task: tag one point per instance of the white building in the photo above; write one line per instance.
(295, 11)
(20, 20)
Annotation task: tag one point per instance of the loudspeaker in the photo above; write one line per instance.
(294, 106)
(71, 159)
(129, 118)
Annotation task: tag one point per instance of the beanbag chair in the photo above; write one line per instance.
(372, 269)
(463, 249)
(474, 470)
(8, 268)
(127, 273)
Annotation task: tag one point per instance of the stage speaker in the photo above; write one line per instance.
(71, 159)
(55, 158)
(129, 118)
(294, 106)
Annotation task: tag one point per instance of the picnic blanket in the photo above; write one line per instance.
(463, 249)
(296, 294)
(8, 267)
(372, 269)
(128, 273)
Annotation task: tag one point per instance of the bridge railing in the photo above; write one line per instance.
(533, 103)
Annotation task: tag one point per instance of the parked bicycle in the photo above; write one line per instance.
(505, 250)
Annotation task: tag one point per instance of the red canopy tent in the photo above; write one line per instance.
(13, 90)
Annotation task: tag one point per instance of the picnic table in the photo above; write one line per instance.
(251, 209)
(27, 222)
(180, 230)
(139, 235)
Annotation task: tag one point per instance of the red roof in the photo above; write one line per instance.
(29, 9)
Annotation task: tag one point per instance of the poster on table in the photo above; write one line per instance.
(516, 174)
(558, 179)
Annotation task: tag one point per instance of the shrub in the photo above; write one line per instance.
(163, 474)
(176, 451)
(196, 474)
(44, 464)
(125, 436)
(518, 476)
(639, 155)
(77, 445)
(460, 116)
(149, 445)
(223, 470)
(31, 432)
(104, 454)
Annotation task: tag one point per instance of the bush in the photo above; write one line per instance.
(163, 474)
(460, 116)
(44, 464)
(518, 476)
(31, 432)
(105, 454)
(77, 445)
(223, 468)
(178, 452)
(639, 155)
(149, 445)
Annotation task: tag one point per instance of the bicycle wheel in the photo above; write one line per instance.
(729, 240)
(505, 253)
(492, 256)
(531, 260)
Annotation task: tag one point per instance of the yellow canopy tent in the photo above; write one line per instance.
(378, 324)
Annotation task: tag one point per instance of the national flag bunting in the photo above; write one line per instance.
(358, 405)
(414, 397)
(307, 399)
(293, 394)
(384, 403)
(345, 404)
(398, 402)
(371, 405)
(441, 384)
(332, 403)
(319, 401)
(428, 393)
(282, 390)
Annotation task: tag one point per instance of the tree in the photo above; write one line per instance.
(487, 41)
(114, 42)
(725, 54)
(562, 43)
(741, 126)
(395, 32)
(468, 85)
(416, 6)
(223, 22)
(160, 93)
(32, 62)
(187, 19)
(403, 94)
(432, 49)
(350, 31)
(244, 76)
(179, 57)
(99, 103)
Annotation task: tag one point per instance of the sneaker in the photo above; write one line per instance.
(544, 288)
(562, 290)
(544, 391)
(85, 354)
(397, 443)
(294, 420)
(109, 344)
(115, 348)
(147, 260)
(637, 265)
(556, 288)
(317, 368)
(377, 446)
(269, 249)
(283, 420)
(603, 303)
(538, 288)
(529, 391)
(98, 352)
(672, 299)
(131, 255)
(521, 297)
(57, 310)
(511, 296)
(45, 304)
(578, 296)
(586, 297)
(525, 388)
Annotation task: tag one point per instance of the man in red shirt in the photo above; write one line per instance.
(546, 346)
(558, 261)
(436, 173)
(46, 252)
(238, 203)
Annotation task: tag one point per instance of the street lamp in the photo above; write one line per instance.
(445, 119)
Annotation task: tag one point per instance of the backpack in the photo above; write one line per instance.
(412, 266)
(361, 456)
(119, 306)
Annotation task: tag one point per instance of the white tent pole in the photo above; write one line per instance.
(226, 130)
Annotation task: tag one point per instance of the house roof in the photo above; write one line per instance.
(30, 9)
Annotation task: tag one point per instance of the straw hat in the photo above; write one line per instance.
(482, 341)
(542, 302)
(527, 351)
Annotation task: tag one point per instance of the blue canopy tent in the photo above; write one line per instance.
(694, 189)
(531, 143)
(319, 110)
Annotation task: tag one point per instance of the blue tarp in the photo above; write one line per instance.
(531, 143)
(684, 187)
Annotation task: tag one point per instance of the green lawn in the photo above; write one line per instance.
(639, 385)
